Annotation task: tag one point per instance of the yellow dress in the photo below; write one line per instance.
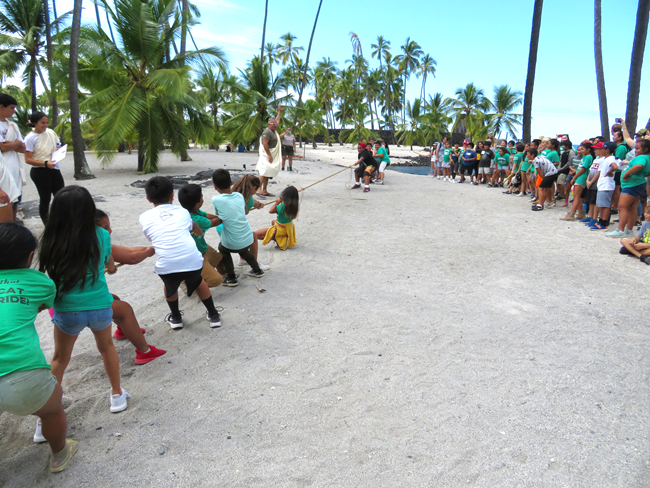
(284, 235)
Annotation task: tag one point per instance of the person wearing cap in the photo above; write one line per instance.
(604, 180)
(468, 158)
(367, 166)
(380, 154)
(633, 186)
(456, 151)
(547, 171)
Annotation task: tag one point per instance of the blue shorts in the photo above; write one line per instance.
(634, 191)
(72, 323)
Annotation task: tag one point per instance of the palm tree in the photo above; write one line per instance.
(358, 120)
(532, 64)
(505, 102)
(306, 67)
(427, 67)
(22, 23)
(469, 105)
(638, 48)
(361, 66)
(435, 125)
(438, 102)
(256, 96)
(324, 78)
(271, 54)
(308, 120)
(380, 49)
(408, 61)
(266, 13)
(135, 87)
(600, 74)
(81, 170)
(412, 131)
(50, 73)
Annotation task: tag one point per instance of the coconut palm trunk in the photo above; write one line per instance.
(81, 170)
(48, 47)
(304, 77)
(600, 72)
(638, 48)
(99, 19)
(266, 13)
(184, 19)
(532, 64)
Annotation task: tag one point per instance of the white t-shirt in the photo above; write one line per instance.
(30, 144)
(546, 166)
(606, 183)
(4, 128)
(168, 228)
(595, 167)
(12, 161)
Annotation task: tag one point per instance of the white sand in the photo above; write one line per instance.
(422, 334)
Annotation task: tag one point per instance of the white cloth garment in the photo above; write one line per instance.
(7, 183)
(42, 145)
(9, 132)
(266, 168)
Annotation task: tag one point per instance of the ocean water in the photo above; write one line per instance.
(412, 170)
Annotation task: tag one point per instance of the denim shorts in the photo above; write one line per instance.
(25, 392)
(72, 323)
(634, 191)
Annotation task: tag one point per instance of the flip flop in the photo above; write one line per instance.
(261, 195)
(267, 194)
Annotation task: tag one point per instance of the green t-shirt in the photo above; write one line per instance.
(553, 157)
(502, 161)
(200, 218)
(516, 162)
(282, 218)
(621, 151)
(250, 203)
(93, 295)
(446, 155)
(382, 155)
(22, 291)
(545, 152)
(587, 161)
(637, 178)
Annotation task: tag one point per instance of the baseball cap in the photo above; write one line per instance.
(600, 145)
(642, 133)
(362, 145)
(610, 146)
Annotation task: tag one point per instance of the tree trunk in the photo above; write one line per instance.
(32, 82)
(185, 11)
(304, 77)
(266, 13)
(48, 36)
(110, 27)
(532, 64)
(81, 170)
(99, 19)
(140, 155)
(600, 74)
(638, 48)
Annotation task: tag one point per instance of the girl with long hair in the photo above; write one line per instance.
(586, 155)
(282, 231)
(74, 252)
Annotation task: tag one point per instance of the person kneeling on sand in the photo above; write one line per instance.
(639, 246)
(27, 385)
(367, 166)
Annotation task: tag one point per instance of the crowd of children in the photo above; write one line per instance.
(74, 253)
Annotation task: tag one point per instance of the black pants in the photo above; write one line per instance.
(48, 182)
(246, 255)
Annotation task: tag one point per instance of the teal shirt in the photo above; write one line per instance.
(382, 155)
(22, 291)
(587, 161)
(200, 218)
(517, 161)
(553, 157)
(231, 209)
(502, 161)
(637, 178)
(282, 218)
(446, 155)
(93, 295)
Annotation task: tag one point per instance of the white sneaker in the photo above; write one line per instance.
(118, 402)
(264, 267)
(242, 262)
(38, 434)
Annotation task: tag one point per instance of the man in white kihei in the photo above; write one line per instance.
(268, 164)
(11, 143)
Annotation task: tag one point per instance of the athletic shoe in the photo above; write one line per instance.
(537, 208)
(454, 181)
(568, 217)
(366, 189)
(622, 250)
(506, 192)
(597, 227)
(591, 222)
(264, 267)
(534, 200)
(629, 232)
(355, 186)
(215, 320)
(147, 357)
(489, 185)
(230, 282)
(72, 448)
(253, 274)
(118, 402)
(174, 322)
(550, 204)
(522, 195)
(614, 212)
(474, 183)
(380, 182)
(616, 233)
(585, 220)
(645, 259)
(38, 434)
(119, 335)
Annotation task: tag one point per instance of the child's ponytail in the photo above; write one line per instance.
(291, 201)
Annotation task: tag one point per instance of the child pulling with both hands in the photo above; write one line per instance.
(282, 230)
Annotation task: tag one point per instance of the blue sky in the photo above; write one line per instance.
(470, 41)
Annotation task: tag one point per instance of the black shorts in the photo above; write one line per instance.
(590, 198)
(548, 181)
(287, 150)
(172, 281)
(364, 170)
(617, 178)
(583, 195)
(466, 169)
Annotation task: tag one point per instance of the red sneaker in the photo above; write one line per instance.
(119, 335)
(144, 358)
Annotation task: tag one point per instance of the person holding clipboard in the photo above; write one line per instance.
(40, 144)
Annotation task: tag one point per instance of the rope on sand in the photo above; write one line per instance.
(319, 181)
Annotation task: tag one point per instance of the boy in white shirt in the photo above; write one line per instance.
(605, 182)
(11, 143)
(168, 228)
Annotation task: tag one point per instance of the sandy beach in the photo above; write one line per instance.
(422, 334)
